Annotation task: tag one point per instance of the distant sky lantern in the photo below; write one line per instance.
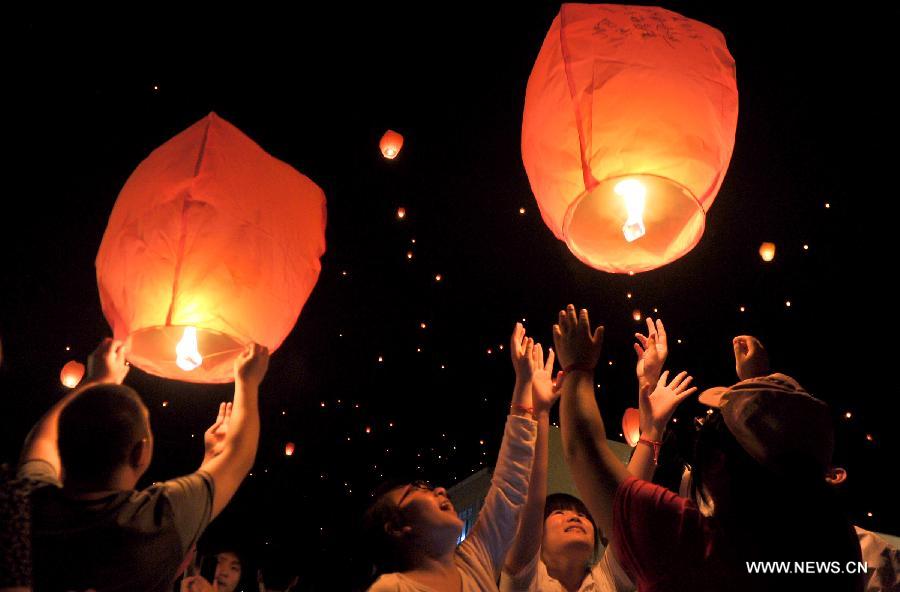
(628, 130)
(212, 243)
(401, 213)
(289, 449)
(390, 145)
(631, 426)
(767, 251)
(71, 374)
(636, 315)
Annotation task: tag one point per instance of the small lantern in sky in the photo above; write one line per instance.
(636, 315)
(390, 145)
(767, 251)
(71, 374)
(401, 213)
(289, 449)
(212, 244)
(628, 130)
(631, 426)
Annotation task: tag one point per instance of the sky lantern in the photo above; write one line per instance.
(636, 315)
(767, 251)
(289, 449)
(631, 426)
(71, 374)
(390, 145)
(628, 130)
(212, 243)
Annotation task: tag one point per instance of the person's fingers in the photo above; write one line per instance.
(642, 339)
(639, 351)
(537, 355)
(562, 321)
(677, 380)
(651, 329)
(551, 357)
(597, 338)
(687, 393)
(685, 383)
(221, 416)
(660, 331)
(571, 317)
(529, 347)
(228, 408)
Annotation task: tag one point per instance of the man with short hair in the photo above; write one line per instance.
(91, 528)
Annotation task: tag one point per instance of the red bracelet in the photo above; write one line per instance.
(523, 408)
(656, 446)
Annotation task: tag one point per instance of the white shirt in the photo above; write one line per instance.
(605, 576)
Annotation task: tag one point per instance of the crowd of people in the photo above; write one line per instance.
(759, 490)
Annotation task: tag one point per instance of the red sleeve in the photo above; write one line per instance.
(655, 531)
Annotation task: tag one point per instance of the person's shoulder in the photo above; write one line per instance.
(386, 583)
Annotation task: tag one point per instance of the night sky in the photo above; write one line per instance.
(87, 100)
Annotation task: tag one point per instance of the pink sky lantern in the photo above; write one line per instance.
(628, 130)
(631, 426)
(390, 144)
(71, 374)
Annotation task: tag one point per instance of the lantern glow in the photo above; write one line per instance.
(767, 251)
(390, 144)
(71, 374)
(626, 135)
(187, 356)
(289, 449)
(636, 315)
(212, 244)
(635, 196)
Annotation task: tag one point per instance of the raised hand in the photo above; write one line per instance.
(107, 363)
(521, 349)
(657, 407)
(543, 395)
(652, 351)
(576, 346)
(251, 365)
(214, 438)
(750, 357)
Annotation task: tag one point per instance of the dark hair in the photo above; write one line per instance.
(761, 500)
(98, 430)
(385, 556)
(564, 501)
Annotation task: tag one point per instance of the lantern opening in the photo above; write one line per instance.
(187, 356)
(663, 214)
(173, 351)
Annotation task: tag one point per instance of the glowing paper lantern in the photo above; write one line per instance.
(629, 123)
(636, 315)
(401, 213)
(289, 449)
(71, 374)
(390, 144)
(631, 426)
(767, 251)
(212, 243)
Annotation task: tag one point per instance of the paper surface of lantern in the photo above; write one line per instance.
(212, 244)
(289, 449)
(628, 129)
(71, 374)
(390, 144)
(767, 251)
(631, 426)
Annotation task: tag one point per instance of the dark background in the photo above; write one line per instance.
(90, 95)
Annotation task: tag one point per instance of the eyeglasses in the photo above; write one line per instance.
(415, 485)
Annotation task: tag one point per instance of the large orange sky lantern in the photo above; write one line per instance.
(390, 144)
(212, 243)
(629, 124)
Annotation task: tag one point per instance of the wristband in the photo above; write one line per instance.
(522, 408)
(656, 445)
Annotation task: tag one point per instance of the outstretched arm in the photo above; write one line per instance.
(105, 365)
(238, 447)
(531, 522)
